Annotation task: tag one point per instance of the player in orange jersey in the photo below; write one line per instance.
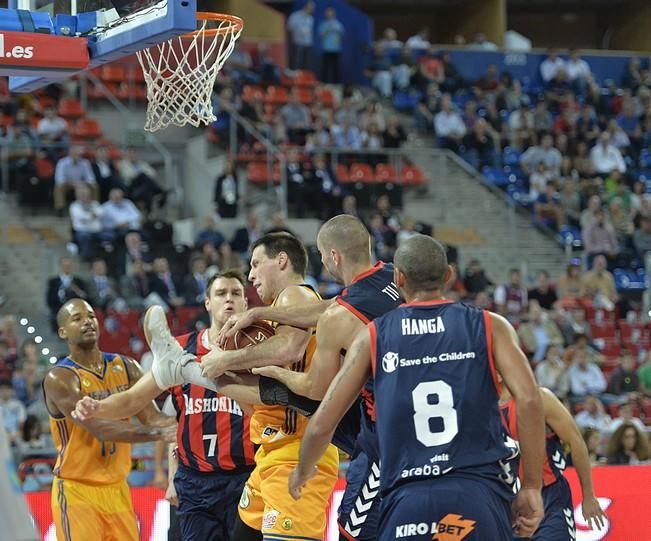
(90, 496)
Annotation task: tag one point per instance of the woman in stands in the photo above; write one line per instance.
(628, 446)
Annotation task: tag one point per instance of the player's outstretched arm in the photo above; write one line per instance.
(520, 381)
(119, 405)
(285, 347)
(63, 390)
(561, 422)
(335, 331)
(341, 395)
(304, 317)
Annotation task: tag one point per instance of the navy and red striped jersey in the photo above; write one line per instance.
(555, 457)
(370, 295)
(213, 432)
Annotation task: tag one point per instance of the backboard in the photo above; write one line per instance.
(68, 36)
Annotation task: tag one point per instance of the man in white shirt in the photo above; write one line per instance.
(119, 214)
(419, 41)
(545, 154)
(86, 221)
(606, 157)
(51, 128)
(578, 72)
(71, 171)
(593, 415)
(12, 411)
(300, 26)
(139, 178)
(551, 66)
(448, 125)
(585, 378)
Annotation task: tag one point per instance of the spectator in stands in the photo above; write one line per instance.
(119, 215)
(135, 250)
(470, 115)
(8, 332)
(544, 292)
(487, 84)
(135, 285)
(573, 323)
(452, 78)
(139, 178)
(162, 283)
(482, 145)
(542, 119)
(578, 72)
(210, 233)
(521, 127)
(86, 222)
(593, 415)
(548, 209)
(587, 126)
(624, 381)
(589, 214)
(27, 382)
(475, 280)
(448, 125)
(622, 221)
(481, 42)
(642, 237)
(279, 224)
(372, 115)
(592, 439)
(629, 121)
(72, 171)
(52, 131)
(300, 193)
(394, 135)
(606, 157)
(599, 284)
(245, 236)
(382, 238)
(106, 174)
(349, 206)
(570, 281)
(331, 32)
(7, 361)
(625, 416)
(644, 374)
(600, 239)
(551, 372)
(419, 41)
(347, 135)
(511, 298)
(210, 255)
(545, 154)
(296, 117)
(63, 287)
(559, 92)
(584, 377)
(300, 26)
(12, 411)
(102, 289)
(239, 65)
(227, 192)
(195, 282)
(228, 259)
(628, 446)
(551, 66)
(379, 71)
(583, 346)
(33, 443)
(537, 332)
(329, 190)
(633, 75)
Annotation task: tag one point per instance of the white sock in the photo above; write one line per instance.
(191, 373)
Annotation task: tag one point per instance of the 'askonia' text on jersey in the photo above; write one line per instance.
(370, 295)
(436, 395)
(213, 433)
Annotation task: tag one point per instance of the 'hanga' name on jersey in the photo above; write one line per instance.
(215, 404)
(422, 326)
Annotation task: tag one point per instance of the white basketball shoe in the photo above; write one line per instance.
(169, 356)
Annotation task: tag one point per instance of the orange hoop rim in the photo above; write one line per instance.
(235, 24)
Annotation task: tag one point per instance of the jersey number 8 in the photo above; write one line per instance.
(424, 412)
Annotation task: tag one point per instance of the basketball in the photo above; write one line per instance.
(250, 336)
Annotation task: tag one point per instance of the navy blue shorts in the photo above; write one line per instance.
(558, 523)
(359, 512)
(445, 508)
(208, 503)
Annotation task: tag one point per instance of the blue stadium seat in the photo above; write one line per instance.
(645, 159)
(406, 101)
(570, 236)
(629, 280)
(519, 195)
(495, 176)
(511, 156)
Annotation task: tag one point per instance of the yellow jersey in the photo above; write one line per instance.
(81, 457)
(271, 424)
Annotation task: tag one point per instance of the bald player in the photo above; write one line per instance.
(441, 440)
(345, 247)
(90, 496)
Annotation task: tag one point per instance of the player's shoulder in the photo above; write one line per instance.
(296, 294)
(337, 315)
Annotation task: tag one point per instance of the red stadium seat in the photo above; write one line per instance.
(326, 96)
(87, 128)
(276, 95)
(342, 173)
(412, 176)
(606, 330)
(305, 78)
(250, 92)
(112, 73)
(44, 168)
(361, 172)
(70, 108)
(385, 173)
(257, 172)
(598, 315)
(304, 95)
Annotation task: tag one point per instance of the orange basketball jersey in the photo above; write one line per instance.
(82, 457)
(270, 424)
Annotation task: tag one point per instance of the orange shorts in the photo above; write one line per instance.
(101, 513)
(266, 504)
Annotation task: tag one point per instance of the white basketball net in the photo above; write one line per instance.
(180, 74)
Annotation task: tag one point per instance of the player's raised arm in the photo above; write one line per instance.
(561, 422)
(335, 327)
(304, 317)
(285, 347)
(520, 381)
(341, 395)
(63, 390)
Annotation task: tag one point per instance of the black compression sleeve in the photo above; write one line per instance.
(274, 393)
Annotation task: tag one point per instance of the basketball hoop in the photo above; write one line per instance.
(180, 73)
